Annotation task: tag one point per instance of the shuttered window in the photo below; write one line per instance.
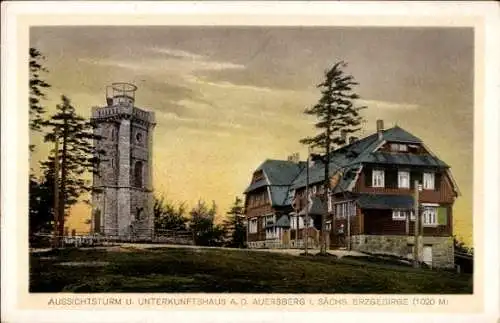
(442, 215)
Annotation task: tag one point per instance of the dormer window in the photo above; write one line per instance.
(399, 147)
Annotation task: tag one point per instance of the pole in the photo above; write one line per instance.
(408, 215)
(306, 224)
(103, 217)
(349, 226)
(417, 224)
(56, 193)
(421, 235)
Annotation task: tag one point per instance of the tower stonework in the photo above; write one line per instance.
(122, 201)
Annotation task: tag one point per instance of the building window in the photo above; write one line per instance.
(352, 209)
(378, 178)
(428, 180)
(399, 147)
(138, 138)
(344, 209)
(430, 215)
(403, 179)
(314, 190)
(252, 227)
(138, 213)
(138, 170)
(270, 219)
(272, 233)
(97, 221)
(399, 215)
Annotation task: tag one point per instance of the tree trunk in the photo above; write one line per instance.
(62, 198)
(322, 239)
(55, 242)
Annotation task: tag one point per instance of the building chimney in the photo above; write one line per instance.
(380, 125)
(380, 128)
(295, 158)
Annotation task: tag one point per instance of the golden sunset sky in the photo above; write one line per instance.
(227, 98)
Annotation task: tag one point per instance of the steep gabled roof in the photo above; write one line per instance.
(280, 172)
(364, 151)
(398, 134)
(315, 206)
(282, 176)
(279, 195)
(276, 173)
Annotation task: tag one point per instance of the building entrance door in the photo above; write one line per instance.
(427, 255)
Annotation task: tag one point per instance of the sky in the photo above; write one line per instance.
(227, 98)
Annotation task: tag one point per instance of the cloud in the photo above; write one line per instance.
(226, 85)
(387, 105)
(176, 53)
(162, 65)
(200, 62)
(198, 121)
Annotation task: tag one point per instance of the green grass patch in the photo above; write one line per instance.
(227, 271)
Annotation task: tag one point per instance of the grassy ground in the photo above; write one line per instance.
(238, 271)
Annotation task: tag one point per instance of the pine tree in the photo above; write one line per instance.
(168, 216)
(234, 225)
(37, 87)
(76, 154)
(337, 117)
(205, 231)
(41, 198)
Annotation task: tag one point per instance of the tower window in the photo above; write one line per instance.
(138, 138)
(138, 170)
(97, 221)
(138, 213)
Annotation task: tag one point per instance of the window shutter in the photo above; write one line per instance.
(437, 181)
(368, 177)
(442, 215)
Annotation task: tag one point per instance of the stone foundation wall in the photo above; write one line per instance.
(442, 247)
(277, 244)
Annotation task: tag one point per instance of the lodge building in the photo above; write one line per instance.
(372, 199)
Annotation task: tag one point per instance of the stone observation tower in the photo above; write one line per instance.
(122, 204)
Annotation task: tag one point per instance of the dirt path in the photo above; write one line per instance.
(129, 247)
(294, 252)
